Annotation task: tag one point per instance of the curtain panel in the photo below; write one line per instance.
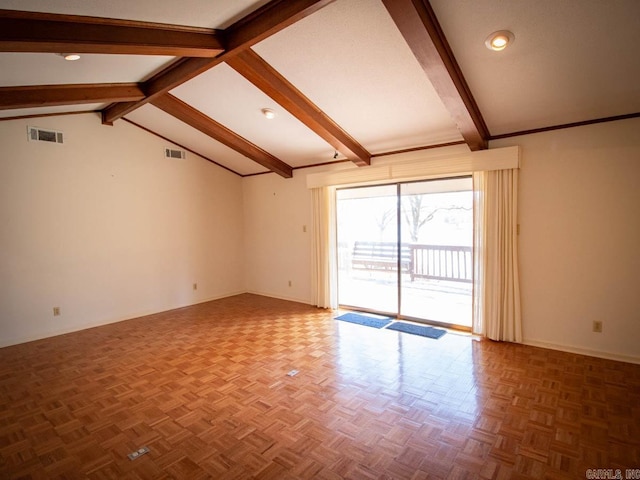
(324, 267)
(496, 302)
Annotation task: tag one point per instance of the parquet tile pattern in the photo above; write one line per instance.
(206, 389)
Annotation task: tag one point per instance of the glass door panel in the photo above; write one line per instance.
(367, 248)
(437, 229)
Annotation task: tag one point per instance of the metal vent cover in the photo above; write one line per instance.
(173, 153)
(36, 134)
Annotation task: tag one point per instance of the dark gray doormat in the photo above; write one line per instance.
(417, 330)
(366, 320)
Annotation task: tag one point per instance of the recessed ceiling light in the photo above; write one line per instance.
(498, 41)
(71, 57)
(268, 113)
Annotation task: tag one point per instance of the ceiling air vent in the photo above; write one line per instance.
(41, 135)
(171, 153)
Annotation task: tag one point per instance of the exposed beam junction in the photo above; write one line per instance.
(267, 20)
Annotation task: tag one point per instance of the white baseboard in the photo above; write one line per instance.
(306, 301)
(4, 342)
(584, 351)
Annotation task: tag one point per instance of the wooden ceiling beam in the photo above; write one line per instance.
(267, 20)
(51, 33)
(52, 95)
(419, 26)
(189, 115)
(255, 69)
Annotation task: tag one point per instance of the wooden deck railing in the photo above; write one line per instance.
(435, 262)
(381, 256)
(442, 262)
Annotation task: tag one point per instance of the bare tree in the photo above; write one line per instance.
(416, 215)
(383, 220)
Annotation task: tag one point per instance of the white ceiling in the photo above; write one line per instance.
(572, 61)
(196, 13)
(51, 69)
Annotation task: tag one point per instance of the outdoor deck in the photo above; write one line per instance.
(436, 281)
(436, 300)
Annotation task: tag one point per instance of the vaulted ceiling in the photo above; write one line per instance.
(348, 80)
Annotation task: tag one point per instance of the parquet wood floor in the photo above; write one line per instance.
(206, 389)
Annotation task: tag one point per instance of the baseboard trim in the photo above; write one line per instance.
(77, 328)
(280, 297)
(584, 351)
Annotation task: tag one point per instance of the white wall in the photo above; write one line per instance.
(580, 238)
(579, 241)
(106, 228)
(277, 250)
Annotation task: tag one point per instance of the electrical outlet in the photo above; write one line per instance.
(597, 326)
(290, 283)
(56, 311)
(195, 286)
(304, 229)
(137, 453)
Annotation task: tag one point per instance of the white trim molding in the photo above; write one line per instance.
(584, 351)
(420, 165)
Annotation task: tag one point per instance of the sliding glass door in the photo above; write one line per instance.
(437, 223)
(406, 250)
(367, 244)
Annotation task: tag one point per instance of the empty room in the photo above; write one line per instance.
(296, 239)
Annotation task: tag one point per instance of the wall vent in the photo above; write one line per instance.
(36, 134)
(171, 153)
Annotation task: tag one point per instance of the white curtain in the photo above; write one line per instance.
(496, 306)
(324, 269)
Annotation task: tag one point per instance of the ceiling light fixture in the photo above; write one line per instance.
(71, 57)
(268, 113)
(498, 41)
